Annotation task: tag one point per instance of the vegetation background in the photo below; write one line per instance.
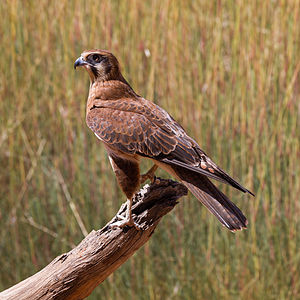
(228, 71)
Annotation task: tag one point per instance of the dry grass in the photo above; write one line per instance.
(227, 70)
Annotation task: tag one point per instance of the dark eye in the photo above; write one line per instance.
(96, 57)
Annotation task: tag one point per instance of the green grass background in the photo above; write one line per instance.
(228, 71)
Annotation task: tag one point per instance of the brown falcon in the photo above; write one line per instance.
(132, 128)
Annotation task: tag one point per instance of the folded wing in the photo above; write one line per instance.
(137, 126)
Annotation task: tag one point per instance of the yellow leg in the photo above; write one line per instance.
(149, 174)
(128, 220)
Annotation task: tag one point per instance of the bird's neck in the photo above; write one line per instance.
(109, 90)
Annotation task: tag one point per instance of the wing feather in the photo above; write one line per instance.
(139, 126)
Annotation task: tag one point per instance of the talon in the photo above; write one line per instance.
(156, 180)
(123, 223)
(128, 220)
(121, 217)
(149, 175)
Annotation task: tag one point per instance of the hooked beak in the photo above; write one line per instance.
(79, 62)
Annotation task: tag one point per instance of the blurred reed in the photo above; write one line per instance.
(228, 71)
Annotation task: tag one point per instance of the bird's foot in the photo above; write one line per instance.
(149, 175)
(125, 222)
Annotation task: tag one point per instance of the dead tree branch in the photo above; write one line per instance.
(75, 274)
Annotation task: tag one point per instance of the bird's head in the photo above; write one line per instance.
(100, 64)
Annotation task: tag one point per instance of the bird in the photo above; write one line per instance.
(133, 128)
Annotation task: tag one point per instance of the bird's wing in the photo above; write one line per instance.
(138, 126)
(145, 129)
(132, 127)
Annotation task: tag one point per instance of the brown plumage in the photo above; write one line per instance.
(132, 128)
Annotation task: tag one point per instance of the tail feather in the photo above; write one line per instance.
(210, 196)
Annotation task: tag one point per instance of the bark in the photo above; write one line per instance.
(75, 274)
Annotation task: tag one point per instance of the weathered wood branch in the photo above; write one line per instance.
(75, 274)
